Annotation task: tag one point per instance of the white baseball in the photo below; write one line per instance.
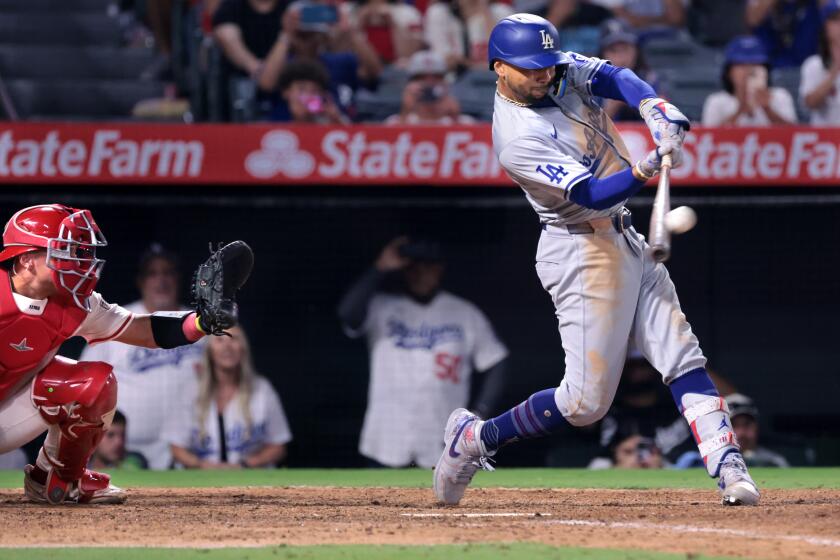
(681, 219)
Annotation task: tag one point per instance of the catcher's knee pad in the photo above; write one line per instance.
(708, 416)
(78, 399)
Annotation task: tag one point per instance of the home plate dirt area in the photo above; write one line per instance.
(788, 523)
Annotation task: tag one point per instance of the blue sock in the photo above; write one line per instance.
(536, 417)
(695, 381)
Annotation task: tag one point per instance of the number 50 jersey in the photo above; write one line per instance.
(550, 147)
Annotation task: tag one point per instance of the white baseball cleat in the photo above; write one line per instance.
(460, 459)
(736, 486)
(96, 488)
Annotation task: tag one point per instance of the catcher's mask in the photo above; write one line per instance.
(70, 237)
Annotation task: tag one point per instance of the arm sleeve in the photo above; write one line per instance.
(600, 194)
(353, 308)
(492, 389)
(622, 84)
(533, 160)
(277, 427)
(105, 321)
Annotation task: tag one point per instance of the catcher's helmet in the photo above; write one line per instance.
(526, 41)
(70, 237)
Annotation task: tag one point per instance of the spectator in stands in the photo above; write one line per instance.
(619, 45)
(111, 452)
(636, 452)
(237, 420)
(425, 344)
(744, 416)
(458, 30)
(747, 98)
(305, 94)
(153, 382)
(246, 30)
(787, 28)
(393, 28)
(651, 17)
(310, 29)
(426, 98)
(819, 81)
(644, 410)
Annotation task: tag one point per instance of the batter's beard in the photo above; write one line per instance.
(524, 95)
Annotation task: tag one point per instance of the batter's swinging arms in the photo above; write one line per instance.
(565, 153)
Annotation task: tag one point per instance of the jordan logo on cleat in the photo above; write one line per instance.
(723, 424)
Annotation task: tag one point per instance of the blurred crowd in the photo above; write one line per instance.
(424, 61)
(205, 406)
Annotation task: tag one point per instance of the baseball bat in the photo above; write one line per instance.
(660, 237)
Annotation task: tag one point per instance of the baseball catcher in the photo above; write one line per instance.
(48, 271)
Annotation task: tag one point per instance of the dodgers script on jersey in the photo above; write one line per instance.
(547, 150)
(421, 361)
(153, 384)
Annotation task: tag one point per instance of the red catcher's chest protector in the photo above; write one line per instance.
(27, 341)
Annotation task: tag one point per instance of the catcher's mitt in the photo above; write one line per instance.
(215, 284)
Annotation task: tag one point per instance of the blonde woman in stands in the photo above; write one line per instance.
(819, 81)
(238, 420)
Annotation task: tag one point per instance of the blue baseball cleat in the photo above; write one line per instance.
(461, 457)
(736, 486)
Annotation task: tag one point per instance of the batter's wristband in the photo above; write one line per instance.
(639, 174)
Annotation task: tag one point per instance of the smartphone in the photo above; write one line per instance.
(318, 14)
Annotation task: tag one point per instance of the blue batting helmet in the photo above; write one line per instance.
(526, 41)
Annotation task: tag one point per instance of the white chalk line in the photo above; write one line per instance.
(820, 541)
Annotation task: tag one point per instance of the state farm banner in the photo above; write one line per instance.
(372, 155)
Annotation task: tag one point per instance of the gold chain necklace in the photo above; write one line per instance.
(511, 101)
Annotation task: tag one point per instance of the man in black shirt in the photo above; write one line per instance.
(246, 30)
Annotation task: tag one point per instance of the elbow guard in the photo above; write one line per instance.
(171, 329)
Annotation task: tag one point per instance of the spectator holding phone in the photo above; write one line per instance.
(304, 89)
(310, 31)
(747, 98)
(425, 343)
(426, 98)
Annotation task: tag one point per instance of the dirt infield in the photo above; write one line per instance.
(788, 524)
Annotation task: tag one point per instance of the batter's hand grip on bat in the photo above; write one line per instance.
(660, 236)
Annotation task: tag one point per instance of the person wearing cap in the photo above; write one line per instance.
(321, 31)
(820, 77)
(744, 415)
(788, 29)
(620, 46)
(154, 382)
(425, 345)
(426, 98)
(747, 98)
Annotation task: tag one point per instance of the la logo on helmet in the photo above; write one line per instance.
(547, 41)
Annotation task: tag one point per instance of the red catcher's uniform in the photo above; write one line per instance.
(31, 331)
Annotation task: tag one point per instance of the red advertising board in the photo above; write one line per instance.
(374, 155)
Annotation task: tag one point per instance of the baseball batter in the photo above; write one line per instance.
(48, 272)
(556, 143)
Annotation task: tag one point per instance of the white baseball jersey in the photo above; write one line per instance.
(268, 426)
(548, 150)
(152, 384)
(421, 361)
